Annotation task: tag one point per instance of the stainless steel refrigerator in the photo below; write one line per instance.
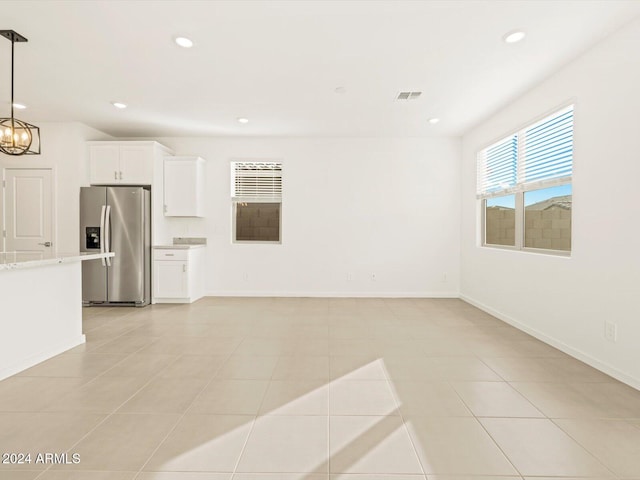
(116, 219)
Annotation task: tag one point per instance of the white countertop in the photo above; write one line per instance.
(178, 247)
(14, 260)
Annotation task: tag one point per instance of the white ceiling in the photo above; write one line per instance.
(278, 63)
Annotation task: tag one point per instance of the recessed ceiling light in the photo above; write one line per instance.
(19, 106)
(514, 36)
(340, 90)
(433, 121)
(243, 120)
(119, 105)
(184, 42)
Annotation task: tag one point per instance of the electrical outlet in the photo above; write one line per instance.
(611, 331)
(245, 277)
(349, 277)
(444, 278)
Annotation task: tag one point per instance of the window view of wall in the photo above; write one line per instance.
(256, 198)
(547, 218)
(525, 180)
(500, 221)
(258, 222)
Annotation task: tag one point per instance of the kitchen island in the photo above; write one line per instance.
(40, 307)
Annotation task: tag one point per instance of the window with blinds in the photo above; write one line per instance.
(524, 185)
(257, 180)
(548, 148)
(497, 165)
(256, 194)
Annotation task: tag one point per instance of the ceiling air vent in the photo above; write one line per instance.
(408, 95)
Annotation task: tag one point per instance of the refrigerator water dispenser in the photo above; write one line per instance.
(92, 237)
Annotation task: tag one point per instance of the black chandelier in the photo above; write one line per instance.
(17, 137)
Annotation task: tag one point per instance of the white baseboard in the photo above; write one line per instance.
(175, 300)
(316, 294)
(41, 357)
(568, 349)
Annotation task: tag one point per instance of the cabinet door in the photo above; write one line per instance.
(170, 279)
(180, 188)
(104, 164)
(136, 165)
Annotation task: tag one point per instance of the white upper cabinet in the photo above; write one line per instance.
(184, 187)
(126, 163)
(104, 163)
(133, 162)
(136, 164)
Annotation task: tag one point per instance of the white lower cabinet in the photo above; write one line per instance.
(172, 279)
(178, 275)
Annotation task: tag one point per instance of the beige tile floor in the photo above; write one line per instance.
(317, 389)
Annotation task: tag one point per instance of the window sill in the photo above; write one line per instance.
(534, 251)
(255, 242)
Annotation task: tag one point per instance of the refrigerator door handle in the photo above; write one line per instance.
(107, 234)
(102, 212)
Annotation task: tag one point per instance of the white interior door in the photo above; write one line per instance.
(28, 208)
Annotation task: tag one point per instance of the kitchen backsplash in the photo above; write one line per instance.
(189, 241)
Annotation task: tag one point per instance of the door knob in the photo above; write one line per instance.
(46, 244)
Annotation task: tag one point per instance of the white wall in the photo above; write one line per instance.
(388, 207)
(64, 150)
(567, 300)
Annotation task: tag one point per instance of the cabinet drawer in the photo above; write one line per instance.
(176, 254)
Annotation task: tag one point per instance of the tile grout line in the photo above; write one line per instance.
(406, 430)
(140, 471)
(114, 412)
(255, 419)
(390, 386)
(107, 323)
(477, 419)
(584, 448)
(391, 352)
(244, 446)
(448, 382)
(107, 415)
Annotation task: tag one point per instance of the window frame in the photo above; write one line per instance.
(236, 200)
(483, 204)
(234, 212)
(522, 187)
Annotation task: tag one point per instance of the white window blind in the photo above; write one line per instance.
(548, 147)
(539, 154)
(256, 180)
(497, 165)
